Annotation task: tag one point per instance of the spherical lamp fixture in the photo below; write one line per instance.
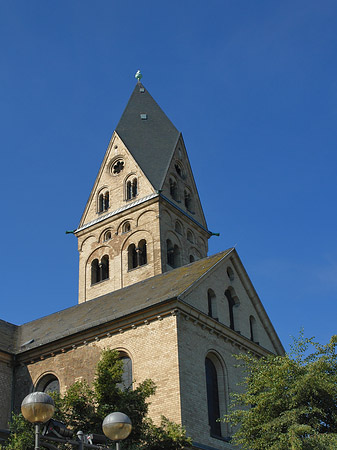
(37, 407)
(117, 426)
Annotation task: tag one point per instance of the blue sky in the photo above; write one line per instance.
(252, 85)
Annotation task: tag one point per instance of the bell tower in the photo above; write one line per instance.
(143, 216)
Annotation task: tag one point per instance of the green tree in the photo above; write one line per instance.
(288, 402)
(84, 407)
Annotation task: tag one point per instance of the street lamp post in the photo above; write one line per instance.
(37, 408)
(117, 426)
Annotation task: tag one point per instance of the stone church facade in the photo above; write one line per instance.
(147, 289)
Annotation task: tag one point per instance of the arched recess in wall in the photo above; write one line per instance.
(88, 240)
(48, 383)
(146, 217)
(106, 235)
(233, 308)
(254, 336)
(173, 187)
(217, 393)
(212, 304)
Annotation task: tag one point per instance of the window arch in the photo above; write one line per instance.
(188, 200)
(132, 257)
(131, 189)
(230, 273)
(190, 236)
(173, 189)
(103, 202)
(173, 254)
(126, 227)
(95, 271)
(213, 400)
(212, 306)
(48, 383)
(191, 258)
(232, 302)
(178, 227)
(141, 250)
(107, 236)
(253, 329)
(100, 270)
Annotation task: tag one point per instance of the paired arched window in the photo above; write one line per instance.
(131, 189)
(103, 202)
(229, 293)
(100, 269)
(212, 306)
(173, 254)
(48, 383)
(173, 189)
(213, 400)
(137, 256)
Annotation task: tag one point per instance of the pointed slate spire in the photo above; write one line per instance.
(148, 134)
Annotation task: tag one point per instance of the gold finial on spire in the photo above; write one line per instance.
(138, 75)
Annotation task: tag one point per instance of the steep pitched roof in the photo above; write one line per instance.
(151, 141)
(114, 305)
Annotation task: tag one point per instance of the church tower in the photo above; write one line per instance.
(143, 216)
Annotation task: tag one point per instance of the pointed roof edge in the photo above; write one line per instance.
(251, 291)
(157, 129)
(192, 175)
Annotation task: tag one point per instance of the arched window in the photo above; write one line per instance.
(107, 236)
(173, 189)
(230, 273)
(132, 257)
(95, 271)
(191, 258)
(213, 403)
(188, 200)
(131, 189)
(253, 329)
(134, 188)
(126, 227)
(127, 373)
(178, 228)
(105, 267)
(212, 306)
(190, 236)
(106, 201)
(128, 190)
(48, 383)
(142, 257)
(231, 304)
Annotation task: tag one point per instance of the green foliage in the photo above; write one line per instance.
(290, 401)
(22, 434)
(84, 408)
